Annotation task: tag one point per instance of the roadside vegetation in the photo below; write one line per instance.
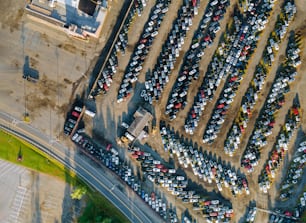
(23, 153)
(20, 152)
(303, 217)
(99, 209)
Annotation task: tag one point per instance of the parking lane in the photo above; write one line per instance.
(160, 75)
(278, 152)
(242, 48)
(190, 68)
(207, 167)
(274, 102)
(104, 70)
(142, 48)
(255, 87)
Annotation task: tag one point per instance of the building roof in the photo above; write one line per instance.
(87, 6)
(142, 118)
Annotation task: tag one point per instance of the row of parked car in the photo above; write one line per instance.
(177, 185)
(72, 118)
(293, 214)
(105, 77)
(203, 37)
(207, 88)
(203, 165)
(280, 216)
(294, 172)
(216, 211)
(159, 76)
(122, 41)
(227, 58)
(109, 157)
(301, 206)
(142, 48)
(278, 152)
(251, 214)
(250, 98)
(266, 120)
(242, 47)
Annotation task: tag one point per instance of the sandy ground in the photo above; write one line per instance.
(29, 196)
(61, 63)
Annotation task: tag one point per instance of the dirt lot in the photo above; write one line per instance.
(61, 63)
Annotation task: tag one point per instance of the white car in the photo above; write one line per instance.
(151, 178)
(124, 125)
(78, 109)
(303, 143)
(119, 100)
(74, 136)
(297, 159)
(165, 10)
(301, 149)
(215, 202)
(296, 176)
(154, 34)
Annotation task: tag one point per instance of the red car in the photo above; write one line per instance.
(75, 114)
(164, 170)
(108, 147)
(134, 155)
(143, 41)
(159, 166)
(220, 105)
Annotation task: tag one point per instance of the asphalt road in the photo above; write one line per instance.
(131, 206)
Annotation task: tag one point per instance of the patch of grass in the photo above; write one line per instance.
(33, 158)
(303, 218)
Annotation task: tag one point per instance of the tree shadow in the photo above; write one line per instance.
(66, 212)
(36, 199)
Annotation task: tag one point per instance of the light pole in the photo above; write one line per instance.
(50, 125)
(25, 115)
(58, 93)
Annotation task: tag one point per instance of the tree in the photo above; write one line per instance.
(78, 193)
(107, 220)
(19, 158)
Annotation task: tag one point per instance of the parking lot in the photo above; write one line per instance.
(27, 196)
(15, 197)
(108, 107)
(196, 78)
